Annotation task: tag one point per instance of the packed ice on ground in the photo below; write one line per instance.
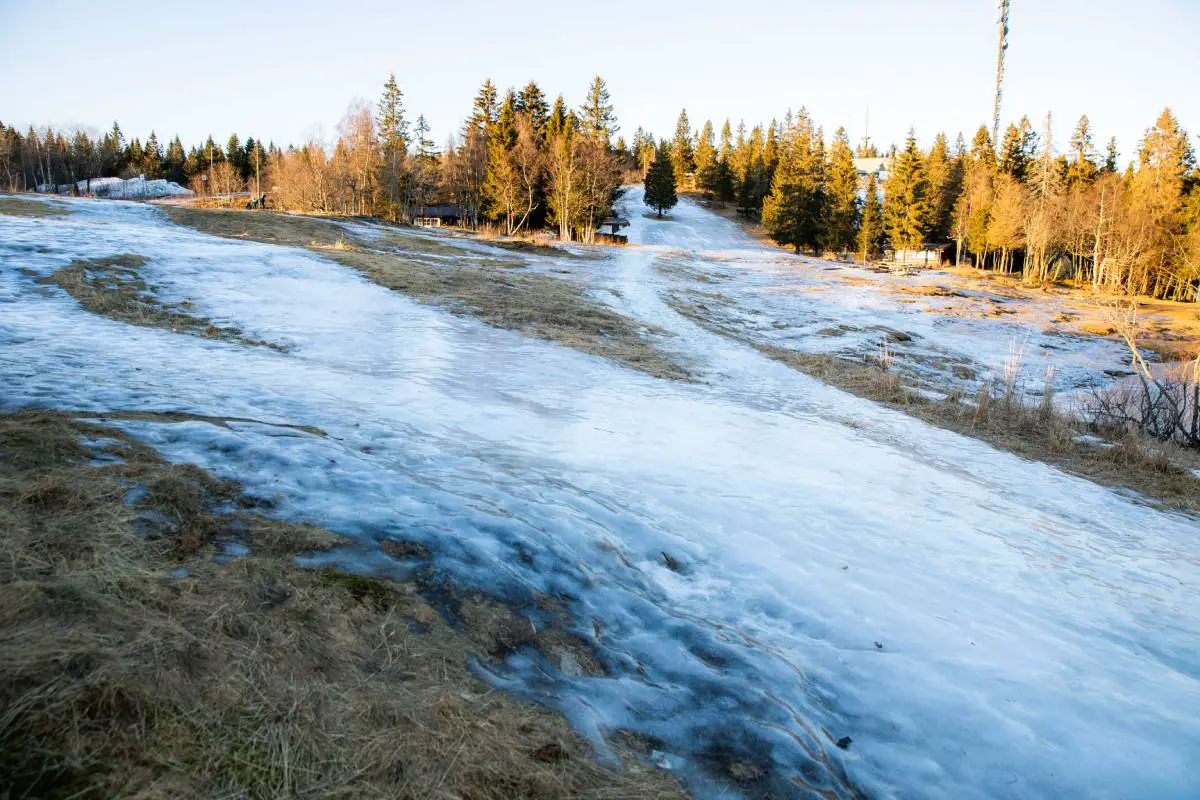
(765, 564)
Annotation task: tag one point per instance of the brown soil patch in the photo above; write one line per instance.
(136, 662)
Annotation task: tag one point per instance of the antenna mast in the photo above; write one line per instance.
(1002, 7)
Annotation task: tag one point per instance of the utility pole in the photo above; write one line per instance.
(210, 183)
(1002, 7)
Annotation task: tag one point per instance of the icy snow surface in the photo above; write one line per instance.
(979, 625)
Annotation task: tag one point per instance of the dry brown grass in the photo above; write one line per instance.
(529, 303)
(258, 226)
(20, 207)
(996, 417)
(113, 287)
(134, 664)
(493, 290)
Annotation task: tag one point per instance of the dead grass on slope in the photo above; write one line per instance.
(529, 303)
(995, 416)
(113, 287)
(20, 207)
(492, 291)
(258, 226)
(134, 663)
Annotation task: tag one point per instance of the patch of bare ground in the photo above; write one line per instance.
(1159, 471)
(492, 291)
(114, 287)
(137, 661)
(20, 207)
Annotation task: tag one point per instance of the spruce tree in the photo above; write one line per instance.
(660, 182)
(945, 174)
(175, 160)
(706, 159)
(599, 120)
(683, 158)
(870, 229)
(134, 155)
(152, 158)
(393, 142)
(1012, 153)
(906, 199)
(559, 119)
(841, 214)
(533, 102)
(1111, 156)
(1081, 167)
(485, 109)
(505, 129)
(793, 211)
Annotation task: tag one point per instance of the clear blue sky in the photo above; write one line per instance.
(277, 70)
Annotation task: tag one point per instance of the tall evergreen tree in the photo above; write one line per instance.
(175, 159)
(945, 174)
(793, 211)
(533, 102)
(485, 109)
(559, 119)
(706, 159)
(134, 155)
(683, 157)
(1082, 167)
(597, 115)
(906, 199)
(841, 216)
(660, 182)
(1014, 160)
(393, 143)
(870, 229)
(152, 158)
(1111, 156)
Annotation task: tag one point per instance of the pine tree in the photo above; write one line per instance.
(1081, 169)
(393, 142)
(660, 182)
(485, 109)
(175, 160)
(945, 174)
(906, 199)
(706, 159)
(599, 120)
(134, 155)
(870, 229)
(724, 185)
(559, 119)
(972, 211)
(1012, 153)
(841, 215)
(1111, 156)
(794, 209)
(683, 158)
(152, 157)
(533, 102)
(505, 129)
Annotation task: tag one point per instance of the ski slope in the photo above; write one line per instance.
(764, 564)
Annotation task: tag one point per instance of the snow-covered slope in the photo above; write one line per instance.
(979, 625)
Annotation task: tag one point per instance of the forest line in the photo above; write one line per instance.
(522, 165)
